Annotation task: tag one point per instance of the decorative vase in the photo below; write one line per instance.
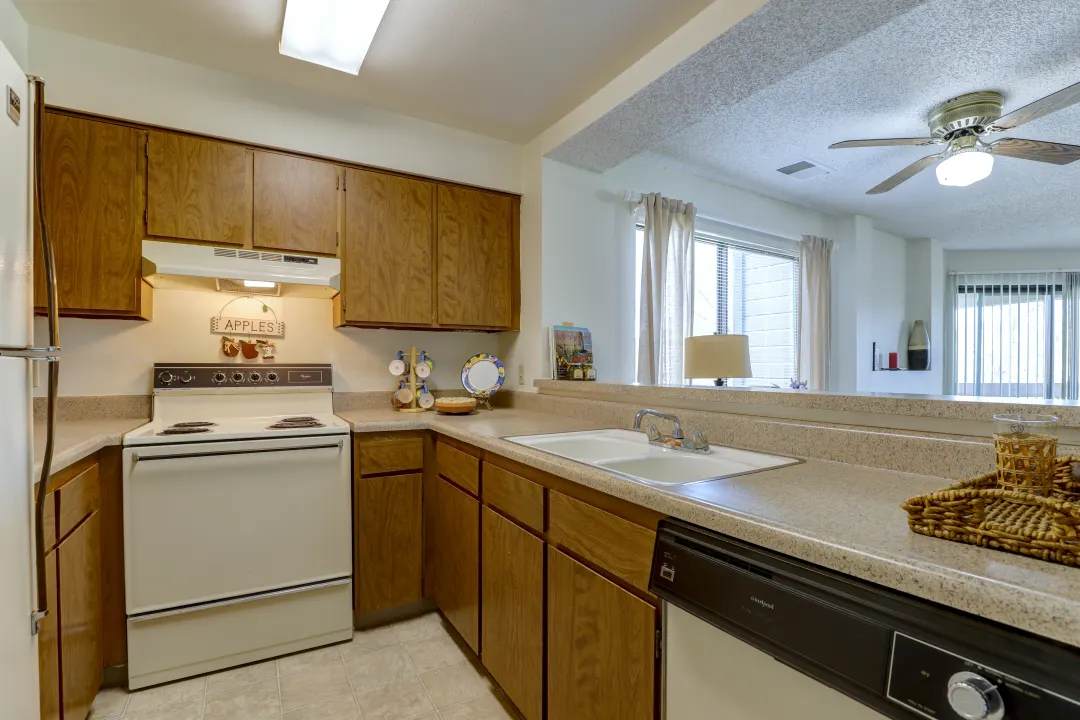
(918, 348)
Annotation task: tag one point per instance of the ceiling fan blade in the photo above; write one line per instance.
(1038, 150)
(881, 143)
(1051, 103)
(906, 174)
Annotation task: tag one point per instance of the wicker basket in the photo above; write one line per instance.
(982, 512)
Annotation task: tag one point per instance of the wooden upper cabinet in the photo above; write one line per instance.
(475, 258)
(296, 204)
(93, 196)
(198, 189)
(387, 257)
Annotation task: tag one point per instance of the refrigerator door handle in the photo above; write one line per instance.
(46, 354)
(53, 349)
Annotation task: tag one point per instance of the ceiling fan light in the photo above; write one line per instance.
(332, 33)
(964, 168)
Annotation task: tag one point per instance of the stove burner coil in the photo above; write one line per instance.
(178, 430)
(194, 424)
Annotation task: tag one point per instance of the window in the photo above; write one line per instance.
(742, 289)
(1015, 334)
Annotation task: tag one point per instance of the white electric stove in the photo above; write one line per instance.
(237, 520)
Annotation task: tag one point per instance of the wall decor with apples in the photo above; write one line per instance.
(231, 327)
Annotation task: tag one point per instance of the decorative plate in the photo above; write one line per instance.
(483, 375)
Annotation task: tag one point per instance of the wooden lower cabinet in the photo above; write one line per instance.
(455, 558)
(601, 646)
(78, 561)
(389, 553)
(513, 611)
(49, 649)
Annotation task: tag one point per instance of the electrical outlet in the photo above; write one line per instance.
(521, 374)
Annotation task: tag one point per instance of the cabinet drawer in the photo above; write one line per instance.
(461, 468)
(519, 498)
(390, 455)
(618, 546)
(77, 499)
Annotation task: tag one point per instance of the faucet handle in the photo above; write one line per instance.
(653, 433)
(698, 440)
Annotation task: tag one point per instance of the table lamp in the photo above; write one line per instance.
(717, 356)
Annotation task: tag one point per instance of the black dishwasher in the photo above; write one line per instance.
(902, 656)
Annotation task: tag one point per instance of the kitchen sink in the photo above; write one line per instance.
(629, 453)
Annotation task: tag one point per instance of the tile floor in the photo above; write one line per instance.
(412, 670)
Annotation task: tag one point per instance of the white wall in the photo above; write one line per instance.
(589, 265)
(106, 79)
(14, 33)
(114, 357)
(588, 249)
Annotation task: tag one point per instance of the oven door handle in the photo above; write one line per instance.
(136, 457)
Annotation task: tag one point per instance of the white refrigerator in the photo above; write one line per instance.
(22, 590)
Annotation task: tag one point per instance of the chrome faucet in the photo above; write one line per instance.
(697, 441)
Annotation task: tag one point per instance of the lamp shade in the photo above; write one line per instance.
(717, 356)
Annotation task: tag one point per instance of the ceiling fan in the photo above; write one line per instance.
(962, 124)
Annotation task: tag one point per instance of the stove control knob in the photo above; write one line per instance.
(271, 376)
(165, 377)
(219, 377)
(238, 377)
(255, 377)
(186, 377)
(973, 697)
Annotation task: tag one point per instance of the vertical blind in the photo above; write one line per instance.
(1015, 334)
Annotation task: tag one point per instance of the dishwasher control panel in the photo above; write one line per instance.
(938, 684)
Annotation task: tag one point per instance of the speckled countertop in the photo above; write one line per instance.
(75, 439)
(844, 517)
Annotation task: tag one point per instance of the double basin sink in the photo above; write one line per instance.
(631, 455)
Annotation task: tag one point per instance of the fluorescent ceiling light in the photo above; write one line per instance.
(964, 168)
(258, 284)
(334, 33)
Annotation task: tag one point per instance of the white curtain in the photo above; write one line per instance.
(815, 296)
(667, 289)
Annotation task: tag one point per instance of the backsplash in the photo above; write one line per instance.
(115, 357)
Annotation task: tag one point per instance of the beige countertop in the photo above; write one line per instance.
(75, 439)
(844, 517)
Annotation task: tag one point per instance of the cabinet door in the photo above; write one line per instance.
(296, 204)
(93, 206)
(198, 189)
(601, 646)
(513, 611)
(475, 258)
(389, 541)
(456, 559)
(79, 563)
(387, 255)
(49, 649)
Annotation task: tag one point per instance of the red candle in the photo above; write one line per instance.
(894, 360)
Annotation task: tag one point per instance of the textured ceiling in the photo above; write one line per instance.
(779, 39)
(882, 83)
(503, 68)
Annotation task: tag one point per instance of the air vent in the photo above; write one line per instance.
(264, 256)
(804, 170)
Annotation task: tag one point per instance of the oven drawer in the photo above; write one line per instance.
(204, 522)
(175, 644)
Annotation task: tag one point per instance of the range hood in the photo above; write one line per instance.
(181, 266)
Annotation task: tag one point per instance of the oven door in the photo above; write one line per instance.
(209, 521)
